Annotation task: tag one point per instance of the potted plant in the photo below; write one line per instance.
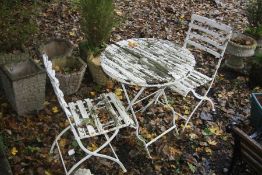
(239, 47)
(254, 16)
(24, 85)
(256, 110)
(70, 72)
(97, 21)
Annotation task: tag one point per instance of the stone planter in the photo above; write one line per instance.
(24, 85)
(11, 58)
(237, 51)
(70, 82)
(57, 48)
(256, 110)
(98, 75)
(241, 50)
(94, 66)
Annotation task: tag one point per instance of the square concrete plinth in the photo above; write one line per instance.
(24, 86)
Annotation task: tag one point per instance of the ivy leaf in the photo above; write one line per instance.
(191, 167)
(207, 132)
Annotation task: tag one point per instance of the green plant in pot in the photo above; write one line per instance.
(97, 21)
(254, 16)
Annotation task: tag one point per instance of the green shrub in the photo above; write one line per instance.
(97, 21)
(17, 23)
(255, 31)
(254, 16)
(258, 58)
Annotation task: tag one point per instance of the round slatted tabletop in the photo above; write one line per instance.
(147, 62)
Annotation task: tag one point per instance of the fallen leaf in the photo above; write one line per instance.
(193, 136)
(212, 142)
(118, 92)
(72, 33)
(55, 109)
(186, 112)
(132, 44)
(92, 147)
(216, 130)
(47, 173)
(208, 150)
(62, 142)
(93, 93)
(14, 151)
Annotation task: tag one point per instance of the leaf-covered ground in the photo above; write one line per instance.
(205, 147)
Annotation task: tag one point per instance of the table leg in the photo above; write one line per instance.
(130, 103)
(157, 94)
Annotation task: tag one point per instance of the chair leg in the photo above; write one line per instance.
(211, 102)
(192, 113)
(95, 153)
(58, 137)
(204, 98)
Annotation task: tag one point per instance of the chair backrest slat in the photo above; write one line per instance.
(206, 39)
(201, 47)
(208, 35)
(210, 32)
(211, 22)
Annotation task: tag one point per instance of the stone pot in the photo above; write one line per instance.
(6, 58)
(238, 51)
(70, 82)
(57, 48)
(98, 75)
(94, 66)
(24, 85)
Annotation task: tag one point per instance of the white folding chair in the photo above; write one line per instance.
(85, 121)
(209, 36)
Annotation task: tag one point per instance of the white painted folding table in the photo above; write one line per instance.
(148, 63)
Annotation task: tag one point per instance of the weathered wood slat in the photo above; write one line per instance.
(199, 46)
(206, 39)
(210, 32)
(94, 116)
(129, 75)
(195, 79)
(120, 108)
(81, 131)
(210, 22)
(169, 63)
(147, 62)
(130, 62)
